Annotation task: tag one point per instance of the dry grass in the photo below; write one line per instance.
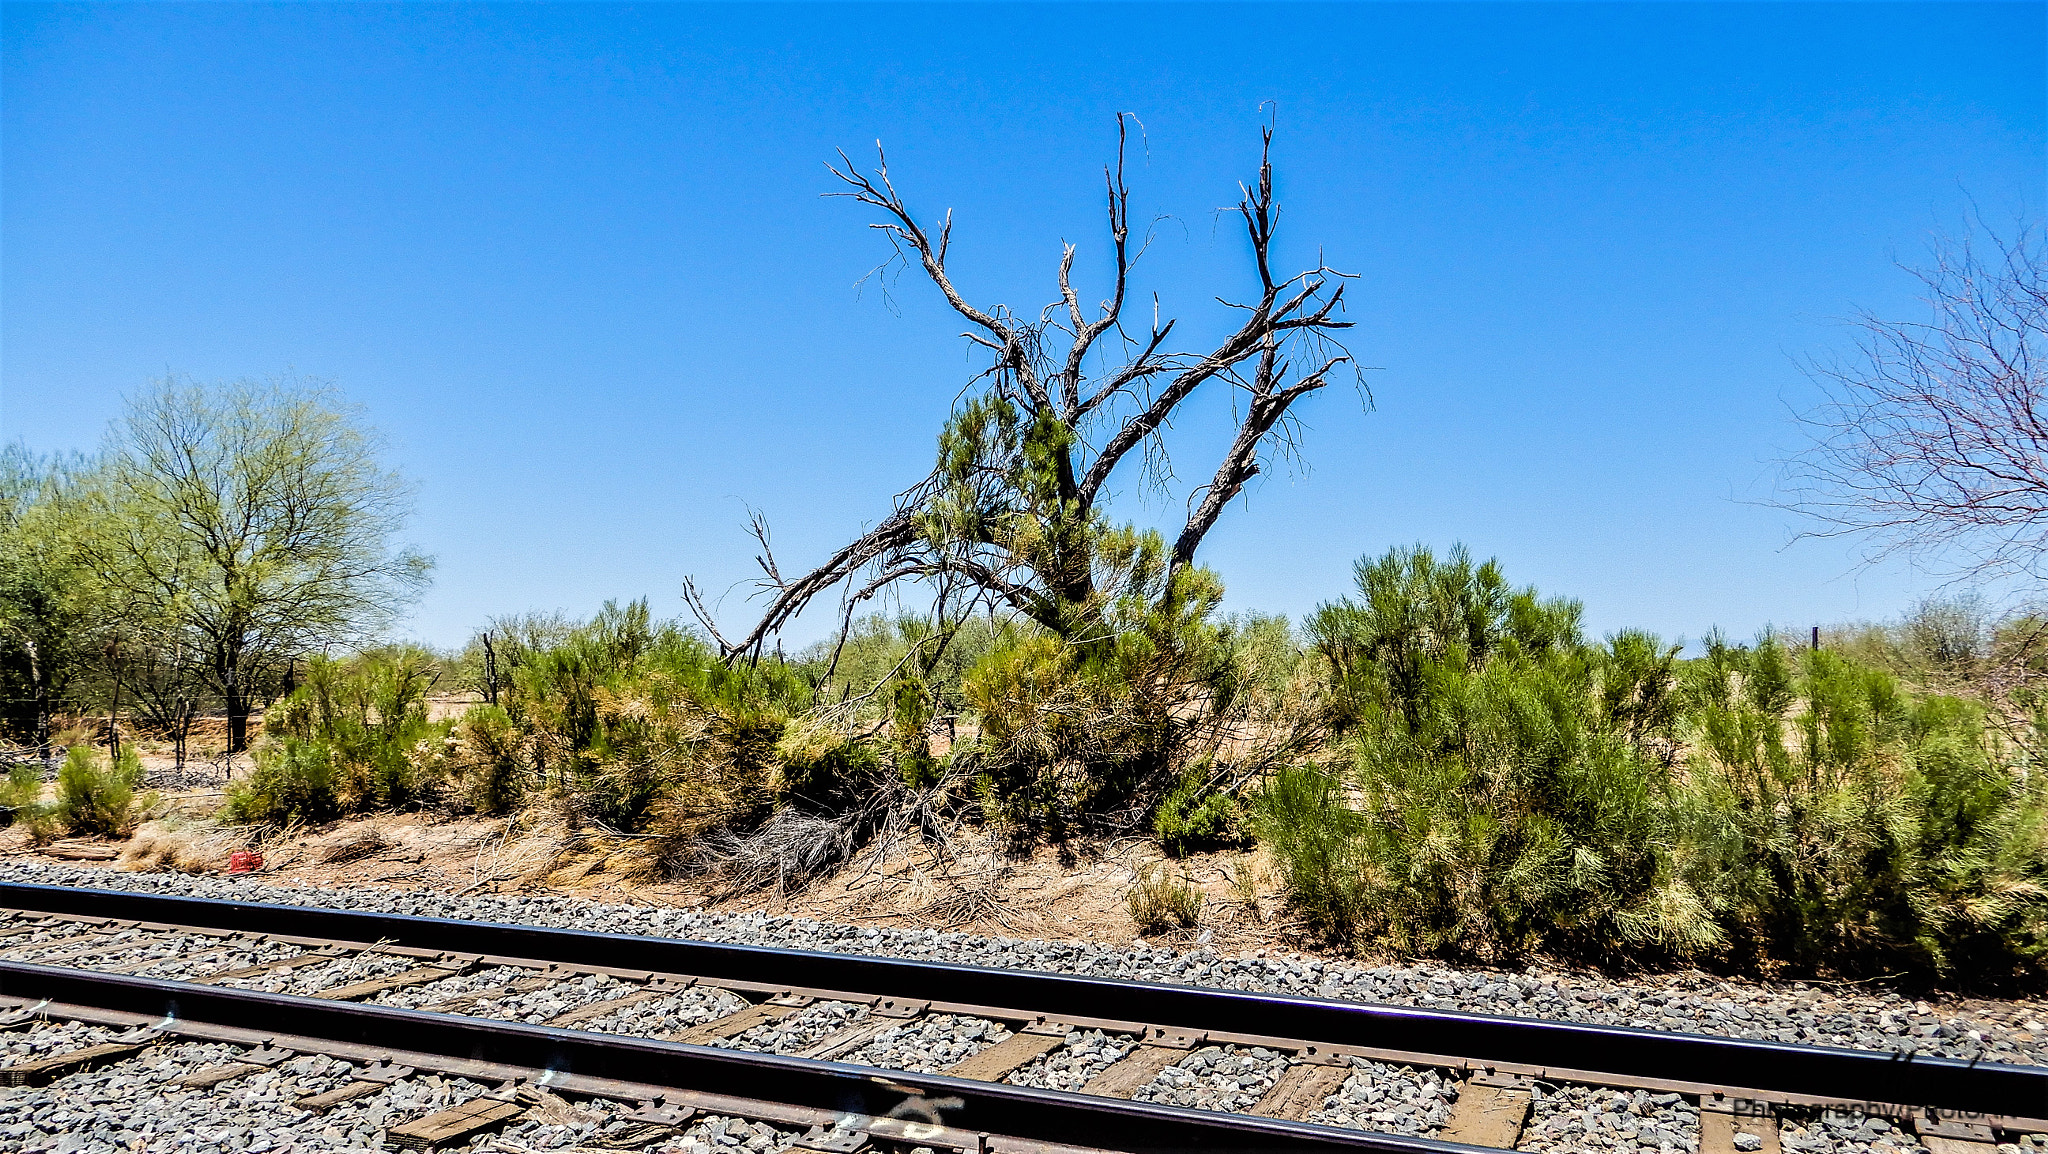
(158, 845)
(351, 842)
(1161, 902)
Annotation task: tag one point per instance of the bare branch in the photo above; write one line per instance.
(1934, 438)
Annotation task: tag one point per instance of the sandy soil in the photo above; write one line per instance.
(977, 890)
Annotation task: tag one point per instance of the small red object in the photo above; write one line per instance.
(244, 861)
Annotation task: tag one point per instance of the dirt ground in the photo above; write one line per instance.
(976, 890)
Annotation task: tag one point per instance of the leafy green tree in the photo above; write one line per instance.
(258, 519)
(53, 609)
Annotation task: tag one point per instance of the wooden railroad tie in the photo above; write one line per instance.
(43, 1071)
(1302, 1090)
(252, 1062)
(454, 1125)
(1130, 1073)
(461, 1003)
(1721, 1119)
(293, 962)
(738, 1022)
(595, 1010)
(417, 976)
(73, 940)
(845, 1040)
(1491, 1111)
(367, 1081)
(996, 1062)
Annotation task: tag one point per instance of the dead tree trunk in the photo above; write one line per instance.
(1012, 513)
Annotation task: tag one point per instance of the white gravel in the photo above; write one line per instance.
(1216, 1078)
(1390, 1098)
(1582, 1120)
(1086, 1054)
(1862, 1017)
(1376, 1096)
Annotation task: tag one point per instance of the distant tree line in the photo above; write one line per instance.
(220, 536)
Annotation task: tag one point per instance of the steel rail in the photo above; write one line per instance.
(897, 1107)
(1613, 1055)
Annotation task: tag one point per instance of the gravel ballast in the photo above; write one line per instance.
(258, 1118)
(1815, 1014)
(1390, 1098)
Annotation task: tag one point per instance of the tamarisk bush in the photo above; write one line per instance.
(1513, 787)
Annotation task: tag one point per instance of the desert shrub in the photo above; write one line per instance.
(296, 779)
(96, 797)
(1077, 729)
(1196, 815)
(1515, 788)
(1160, 902)
(354, 737)
(168, 844)
(1837, 821)
(1504, 770)
(21, 792)
(490, 761)
(1302, 816)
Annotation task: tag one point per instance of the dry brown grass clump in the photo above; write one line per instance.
(158, 846)
(351, 843)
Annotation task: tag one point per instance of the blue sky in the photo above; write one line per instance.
(574, 261)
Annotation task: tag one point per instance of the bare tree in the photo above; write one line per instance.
(1933, 439)
(1012, 513)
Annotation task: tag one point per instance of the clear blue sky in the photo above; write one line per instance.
(574, 259)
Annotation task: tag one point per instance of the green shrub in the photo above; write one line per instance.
(1836, 821)
(98, 799)
(353, 738)
(1160, 902)
(21, 793)
(491, 766)
(1195, 816)
(296, 779)
(1302, 818)
(1514, 788)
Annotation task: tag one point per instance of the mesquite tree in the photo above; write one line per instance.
(1012, 513)
(256, 520)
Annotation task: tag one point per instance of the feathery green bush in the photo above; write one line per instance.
(97, 797)
(1513, 787)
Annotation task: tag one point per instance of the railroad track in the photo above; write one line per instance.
(851, 1053)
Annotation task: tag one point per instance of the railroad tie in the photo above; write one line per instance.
(1130, 1073)
(732, 1025)
(288, 963)
(72, 955)
(96, 938)
(596, 1010)
(249, 1063)
(1491, 1110)
(43, 1071)
(462, 1002)
(454, 1125)
(1722, 1119)
(846, 1039)
(368, 1081)
(1947, 1136)
(996, 1062)
(1302, 1090)
(417, 976)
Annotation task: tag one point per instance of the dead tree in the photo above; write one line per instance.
(1934, 438)
(1011, 515)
